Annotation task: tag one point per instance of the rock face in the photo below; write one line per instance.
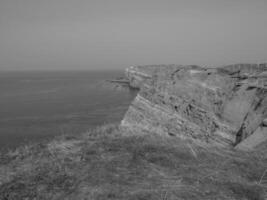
(138, 75)
(223, 105)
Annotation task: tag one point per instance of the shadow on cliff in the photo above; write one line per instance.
(106, 164)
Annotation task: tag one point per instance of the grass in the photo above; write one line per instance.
(105, 163)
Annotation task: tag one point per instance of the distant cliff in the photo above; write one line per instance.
(222, 106)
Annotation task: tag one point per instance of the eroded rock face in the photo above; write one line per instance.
(138, 75)
(214, 105)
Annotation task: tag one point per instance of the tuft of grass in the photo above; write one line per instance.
(107, 163)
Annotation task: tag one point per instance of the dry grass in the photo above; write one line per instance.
(104, 164)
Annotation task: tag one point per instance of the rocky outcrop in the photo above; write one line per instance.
(223, 105)
(138, 75)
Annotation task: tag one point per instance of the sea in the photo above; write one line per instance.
(39, 105)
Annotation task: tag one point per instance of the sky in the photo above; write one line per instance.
(114, 34)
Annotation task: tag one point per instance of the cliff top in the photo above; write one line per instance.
(106, 163)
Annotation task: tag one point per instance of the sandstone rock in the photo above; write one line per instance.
(254, 140)
(222, 105)
(138, 75)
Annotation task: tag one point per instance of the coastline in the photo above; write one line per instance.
(134, 159)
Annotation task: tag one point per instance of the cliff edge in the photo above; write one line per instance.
(224, 106)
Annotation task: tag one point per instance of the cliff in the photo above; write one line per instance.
(219, 106)
(222, 106)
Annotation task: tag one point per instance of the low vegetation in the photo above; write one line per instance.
(105, 163)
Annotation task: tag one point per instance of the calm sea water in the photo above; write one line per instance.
(38, 105)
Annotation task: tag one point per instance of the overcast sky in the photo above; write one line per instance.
(89, 34)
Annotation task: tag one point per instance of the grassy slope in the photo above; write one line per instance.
(104, 164)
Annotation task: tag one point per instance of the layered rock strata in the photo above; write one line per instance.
(223, 105)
